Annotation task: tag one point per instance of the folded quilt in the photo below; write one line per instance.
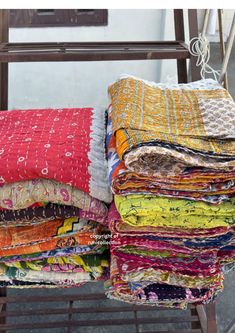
(119, 228)
(154, 293)
(56, 253)
(206, 185)
(26, 284)
(173, 126)
(48, 236)
(154, 161)
(166, 264)
(93, 264)
(160, 295)
(60, 278)
(227, 255)
(43, 213)
(23, 194)
(37, 214)
(175, 279)
(147, 210)
(71, 142)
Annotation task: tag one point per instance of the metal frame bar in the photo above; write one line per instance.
(101, 51)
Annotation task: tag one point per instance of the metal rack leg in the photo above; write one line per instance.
(193, 32)
(211, 318)
(195, 325)
(3, 307)
(4, 36)
(180, 36)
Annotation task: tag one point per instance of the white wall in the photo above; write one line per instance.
(72, 84)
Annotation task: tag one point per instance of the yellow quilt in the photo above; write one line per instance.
(149, 210)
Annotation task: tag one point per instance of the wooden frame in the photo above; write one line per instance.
(201, 320)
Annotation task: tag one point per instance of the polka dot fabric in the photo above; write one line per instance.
(66, 145)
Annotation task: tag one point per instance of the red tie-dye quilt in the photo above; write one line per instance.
(65, 145)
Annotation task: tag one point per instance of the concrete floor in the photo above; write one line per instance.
(225, 302)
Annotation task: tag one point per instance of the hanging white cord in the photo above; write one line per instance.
(200, 48)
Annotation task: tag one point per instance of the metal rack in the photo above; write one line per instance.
(201, 319)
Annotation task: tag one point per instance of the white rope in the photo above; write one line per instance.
(200, 48)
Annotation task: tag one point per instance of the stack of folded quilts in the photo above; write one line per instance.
(171, 157)
(52, 200)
